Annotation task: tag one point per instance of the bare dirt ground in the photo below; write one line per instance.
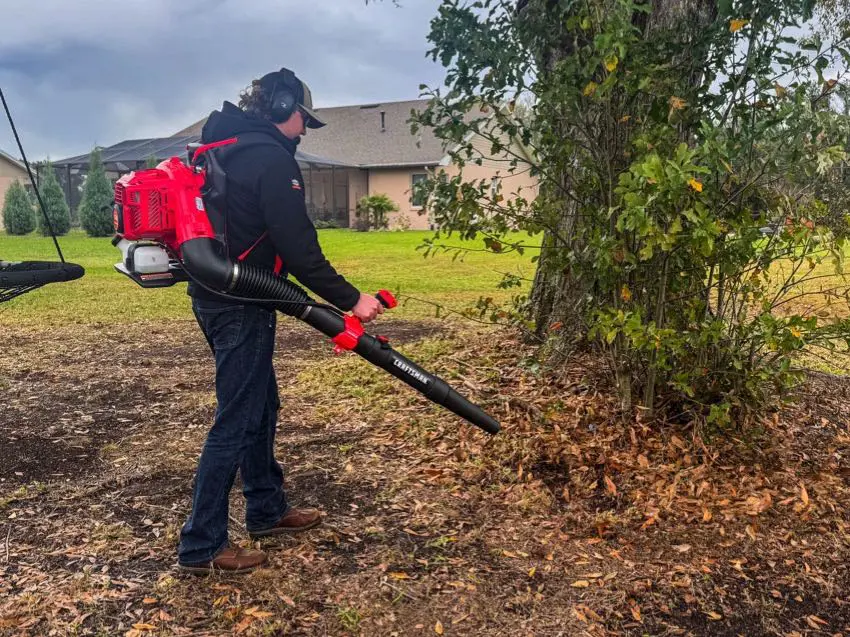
(570, 522)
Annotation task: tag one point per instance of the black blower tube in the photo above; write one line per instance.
(205, 260)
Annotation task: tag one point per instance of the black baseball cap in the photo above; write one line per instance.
(303, 97)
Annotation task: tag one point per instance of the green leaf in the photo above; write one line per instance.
(676, 226)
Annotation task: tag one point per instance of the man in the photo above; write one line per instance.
(267, 224)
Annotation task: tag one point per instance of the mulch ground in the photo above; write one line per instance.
(573, 521)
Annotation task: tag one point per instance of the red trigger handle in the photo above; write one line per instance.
(387, 299)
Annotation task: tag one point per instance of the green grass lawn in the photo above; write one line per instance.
(371, 261)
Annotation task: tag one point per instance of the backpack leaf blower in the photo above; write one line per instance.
(169, 225)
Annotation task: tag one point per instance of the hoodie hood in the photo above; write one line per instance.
(231, 121)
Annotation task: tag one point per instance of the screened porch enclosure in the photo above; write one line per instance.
(331, 188)
(327, 193)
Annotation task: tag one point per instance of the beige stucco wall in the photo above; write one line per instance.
(513, 185)
(358, 186)
(514, 182)
(396, 184)
(9, 170)
(8, 173)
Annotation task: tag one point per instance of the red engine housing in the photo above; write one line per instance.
(164, 204)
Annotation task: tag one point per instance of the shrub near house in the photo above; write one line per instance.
(18, 212)
(372, 212)
(96, 205)
(55, 204)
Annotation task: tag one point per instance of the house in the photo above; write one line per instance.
(377, 153)
(365, 149)
(10, 170)
(330, 179)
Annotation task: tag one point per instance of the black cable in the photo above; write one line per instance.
(263, 302)
(32, 179)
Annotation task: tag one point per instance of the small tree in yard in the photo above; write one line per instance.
(664, 135)
(151, 162)
(18, 212)
(95, 207)
(372, 211)
(54, 203)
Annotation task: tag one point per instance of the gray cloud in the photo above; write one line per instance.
(99, 71)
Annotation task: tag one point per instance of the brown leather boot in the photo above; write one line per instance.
(232, 561)
(295, 521)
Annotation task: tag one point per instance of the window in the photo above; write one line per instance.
(417, 199)
(495, 183)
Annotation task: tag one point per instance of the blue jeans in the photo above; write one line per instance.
(242, 338)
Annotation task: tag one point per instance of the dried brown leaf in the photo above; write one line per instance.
(610, 487)
(816, 622)
(262, 614)
(242, 626)
(219, 601)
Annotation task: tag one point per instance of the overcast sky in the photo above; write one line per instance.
(90, 72)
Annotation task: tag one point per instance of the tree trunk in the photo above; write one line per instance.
(558, 292)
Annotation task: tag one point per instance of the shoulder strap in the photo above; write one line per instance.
(278, 262)
(217, 182)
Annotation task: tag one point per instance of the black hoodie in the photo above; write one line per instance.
(265, 193)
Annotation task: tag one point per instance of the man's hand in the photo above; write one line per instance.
(367, 308)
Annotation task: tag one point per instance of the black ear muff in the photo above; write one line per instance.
(281, 104)
(283, 98)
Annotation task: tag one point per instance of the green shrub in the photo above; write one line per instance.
(325, 224)
(371, 212)
(18, 211)
(96, 205)
(54, 202)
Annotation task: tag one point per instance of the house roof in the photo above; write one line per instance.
(353, 135)
(12, 160)
(124, 155)
(131, 151)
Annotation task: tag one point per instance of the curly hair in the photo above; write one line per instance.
(253, 100)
